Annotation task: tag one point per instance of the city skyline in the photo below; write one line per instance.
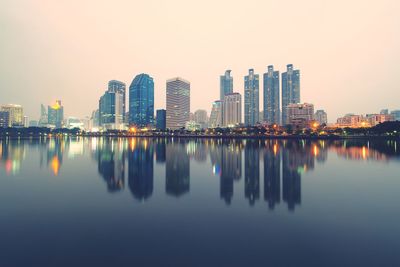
(42, 54)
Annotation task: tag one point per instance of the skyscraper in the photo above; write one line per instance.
(226, 84)
(271, 96)
(200, 117)
(232, 110)
(16, 114)
(120, 87)
(178, 103)
(290, 90)
(44, 120)
(251, 98)
(161, 123)
(110, 110)
(55, 114)
(141, 101)
(216, 114)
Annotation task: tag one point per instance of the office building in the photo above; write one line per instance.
(216, 115)
(232, 110)
(321, 117)
(26, 122)
(300, 115)
(375, 119)
(141, 101)
(161, 119)
(120, 87)
(352, 121)
(201, 117)
(178, 103)
(4, 119)
(43, 120)
(271, 96)
(290, 90)
(111, 111)
(15, 113)
(251, 98)
(226, 84)
(55, 115)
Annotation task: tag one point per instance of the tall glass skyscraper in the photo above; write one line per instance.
(141, 101)
(120, 87)
(56, 114)
(251, 98)
(110, 110)
(290, 90)
(226, 84)
(178, 103)
(271, 96)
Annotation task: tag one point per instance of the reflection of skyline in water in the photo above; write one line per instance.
(281, 163)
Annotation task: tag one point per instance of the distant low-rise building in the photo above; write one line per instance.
(352, 121)
(300, 115)
(192, 126)
(200, 117)
(396, 114)
(375, 119)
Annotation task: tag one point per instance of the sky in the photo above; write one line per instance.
(347, 50)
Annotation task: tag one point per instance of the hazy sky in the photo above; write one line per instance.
(347, 50)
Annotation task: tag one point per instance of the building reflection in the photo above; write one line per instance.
(231, 168)
(252, 171)
(160, 150)
(177, 169)
(111, 163)
(55, 151)
(272, 173)
(140, 168)
(12, 152)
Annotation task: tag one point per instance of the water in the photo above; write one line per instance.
(205, 202)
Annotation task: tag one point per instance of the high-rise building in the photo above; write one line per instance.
(251, 98)
(290, 90)
(271, 96)
(141, 101)
(44, 120)
(120, 87)
(178, 103)
(321, 117)
(26, 122)
(226, 84)
(232, 110)
(216, 115)
(4, 119)
(55, 114)
(110, 110)
(16, 114)
(161, 123)
(300, 115)
(200, 117)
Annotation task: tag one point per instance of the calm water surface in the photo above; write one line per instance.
(181, 202)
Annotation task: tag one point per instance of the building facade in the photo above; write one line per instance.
(300, 115)
(290, 90)
(120, 87)
(375, 119)
(226, 84)
(111, 111)
(396, 114)
(216, 114)
(4, 119)
(251, 98)
(141, 101)
(178, 103)
(232, 110)
(161, 119)
(352, 121)
(321, 117)
(271, 96)
(15, 113)
(55, 115)
(201, 117)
